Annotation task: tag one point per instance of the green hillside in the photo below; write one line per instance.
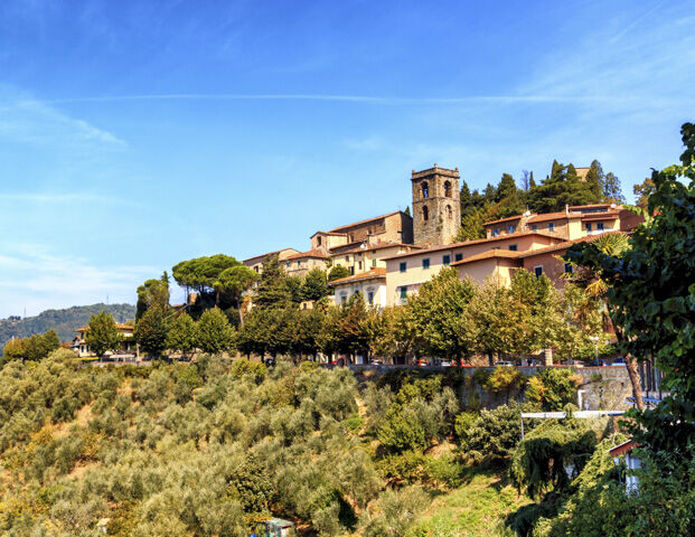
(63, 321)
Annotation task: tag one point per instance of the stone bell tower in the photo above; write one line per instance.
(436, 206)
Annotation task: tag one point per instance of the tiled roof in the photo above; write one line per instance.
(318, 254)
(622, 449)
(471, 242)
(489, 254)
(328, 233)
(608, 215)
(263, 256)
(559, 215)
(589, 206)
(380, 246)
(361, 222)
(565, 244)
(501, 220)
(375, 273)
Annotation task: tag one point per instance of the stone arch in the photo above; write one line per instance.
(425, 190)
(449, 212)
(425, 213)
(447, 189)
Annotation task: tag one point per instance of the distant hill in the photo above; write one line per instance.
(62, 321)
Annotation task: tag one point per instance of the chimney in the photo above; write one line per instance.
(567, 209)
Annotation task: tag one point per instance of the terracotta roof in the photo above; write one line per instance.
(318, 254)
(328, 233)
(565, 244)
(471, 242)
(489, 254)
(361, 222)
(559, 215)
(380, 246)
(608, 215)
(588, 206)
(341, 248)
(118, 325)
(622, 449)
(375, 273)
(263, 256)
(508, 219)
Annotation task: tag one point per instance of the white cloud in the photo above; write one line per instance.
(28, 120)
(33, 276)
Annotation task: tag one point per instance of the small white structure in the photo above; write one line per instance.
(632, 463)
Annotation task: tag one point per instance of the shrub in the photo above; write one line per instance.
(494, 434)
(553, 388)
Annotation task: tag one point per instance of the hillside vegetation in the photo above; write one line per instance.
(206, 448)
(64, 321)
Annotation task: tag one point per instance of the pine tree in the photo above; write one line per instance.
(506, 187)
(273, 291)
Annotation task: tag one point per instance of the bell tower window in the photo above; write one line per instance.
(425, 191)
(425, 214)
(447, 189)
(449, 212)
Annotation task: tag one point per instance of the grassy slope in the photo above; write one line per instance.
(478, 507)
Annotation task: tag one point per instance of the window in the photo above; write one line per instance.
(370, 297)
(446, 260)
(426, 263)
(513, 247)
(373, 263)
(425, 214)
(511, 229)
(256, 268)
(551, 226)
(425, 190)
(447, 189)
(343, 298)
(403, 266)
(318, 240)
(534, 227)
(599, 226)
(458, 257)
(538, 271)
(347, 258)
(449, 212)
(404, 292)
(359, 265)
(568, 268)
(588, 226)
(495, 232)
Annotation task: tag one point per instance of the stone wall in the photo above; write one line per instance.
(603, 388)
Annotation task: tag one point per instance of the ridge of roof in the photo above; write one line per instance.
(378, 272)
(269, 253)
(488, 254)
(475, 241)
(379, 246)
(309, 253)
(347, 226)
(567, 244)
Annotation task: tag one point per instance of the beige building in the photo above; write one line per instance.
(127, 347)
(406, 272)
(370, 284)
(395, 227)
(301, 263)
(367, 257)
(573, 223)
(256, 263)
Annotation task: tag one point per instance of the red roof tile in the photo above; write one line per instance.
(317, 254)
(376, 273)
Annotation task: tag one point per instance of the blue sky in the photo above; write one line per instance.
(134, 135)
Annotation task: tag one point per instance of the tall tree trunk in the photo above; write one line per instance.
(631, 366)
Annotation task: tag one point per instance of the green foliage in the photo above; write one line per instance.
(315, 285)
(337, 272)
(151, 330)
(183, 334)
(553, 388)
(214, 332)
(273, 290)
(438, 311)
(151, 293)
(255, 370)
(563, 187)
(393, 512)
(35, 347)
(552, 454)
(102, 335)
(62, 321)
(422, 413)
(505, 380)
(493, 435)
(652, 297)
